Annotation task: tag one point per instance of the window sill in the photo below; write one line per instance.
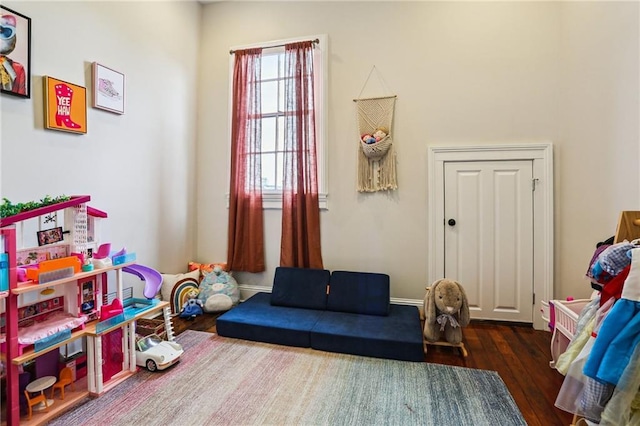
(273, 201)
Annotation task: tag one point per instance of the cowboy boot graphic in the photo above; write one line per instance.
(64, 97)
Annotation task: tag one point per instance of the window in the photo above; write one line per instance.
(273, 111)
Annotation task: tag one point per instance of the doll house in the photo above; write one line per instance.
(53, 313)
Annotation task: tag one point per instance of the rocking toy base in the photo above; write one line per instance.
(426, 343)
(460, 345)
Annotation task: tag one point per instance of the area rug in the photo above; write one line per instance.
(222, 381)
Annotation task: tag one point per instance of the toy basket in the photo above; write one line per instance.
(377, 150)
(376, 161)
(145, 327)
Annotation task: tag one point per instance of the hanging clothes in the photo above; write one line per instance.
(597, 282)
(624, 406)
(613, 289)
(611, 261)
(575, 382)
(620, 331)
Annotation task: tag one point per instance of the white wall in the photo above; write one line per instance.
(464, 73)
(138, 167)
(597, 155)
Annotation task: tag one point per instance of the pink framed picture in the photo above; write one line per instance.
(108, 89)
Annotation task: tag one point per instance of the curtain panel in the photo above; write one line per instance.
(245, 246)
(300, 241)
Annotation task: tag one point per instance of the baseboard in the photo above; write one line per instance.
(248, 290)
(410, 302)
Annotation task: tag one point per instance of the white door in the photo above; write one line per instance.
(488, 236)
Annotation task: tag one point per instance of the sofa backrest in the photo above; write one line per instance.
(300, 288)
(359, 293)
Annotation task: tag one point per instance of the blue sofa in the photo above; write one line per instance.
(346, 312)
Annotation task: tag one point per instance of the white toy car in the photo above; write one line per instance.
(156, 354)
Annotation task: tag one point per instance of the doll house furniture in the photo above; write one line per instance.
(62, 305)
(66, 379)
(36, 388)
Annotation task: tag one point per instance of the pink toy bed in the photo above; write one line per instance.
(45, 323)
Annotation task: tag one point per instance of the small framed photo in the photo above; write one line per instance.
(88, 296)
(15, 45)
(108, 89)
(50, 236)
(65, 106)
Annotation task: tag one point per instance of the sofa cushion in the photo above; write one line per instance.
(300, 288)
(396, 336)
(256, 319)
(359, 293)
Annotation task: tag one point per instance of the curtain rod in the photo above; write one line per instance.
(316, 41)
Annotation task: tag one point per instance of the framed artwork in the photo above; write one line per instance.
(65, 106)
(108, 89)
(34, 255)
(50, 236)
(15, 53)
(87, 303)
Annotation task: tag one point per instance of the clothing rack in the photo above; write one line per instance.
(316, 41)
(628, 226)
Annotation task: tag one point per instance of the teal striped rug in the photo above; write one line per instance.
(236, 382)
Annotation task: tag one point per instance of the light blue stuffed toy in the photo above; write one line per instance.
(218, 291)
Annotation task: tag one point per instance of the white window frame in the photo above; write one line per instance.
(273, 199)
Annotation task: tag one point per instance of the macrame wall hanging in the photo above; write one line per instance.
(376, 153)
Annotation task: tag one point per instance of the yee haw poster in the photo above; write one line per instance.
(65, 106)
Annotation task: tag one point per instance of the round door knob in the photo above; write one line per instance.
(452, 222)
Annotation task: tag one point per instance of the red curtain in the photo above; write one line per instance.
(245, 247)
(300, 243)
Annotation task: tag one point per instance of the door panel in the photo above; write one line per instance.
(489, 249)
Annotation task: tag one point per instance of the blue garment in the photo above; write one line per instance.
(617, 338)
(191, 309)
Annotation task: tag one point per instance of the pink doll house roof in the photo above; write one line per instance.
(91, 211)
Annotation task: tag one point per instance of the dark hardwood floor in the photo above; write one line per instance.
(519, 354)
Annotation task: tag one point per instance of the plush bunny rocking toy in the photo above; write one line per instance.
(446, 311)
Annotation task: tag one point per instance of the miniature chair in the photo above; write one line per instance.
(31, 401)
(66, 378)
(23, 380)
(103, 251)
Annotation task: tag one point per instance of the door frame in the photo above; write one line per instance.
(542, 156)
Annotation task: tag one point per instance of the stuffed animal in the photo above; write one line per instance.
(446, 311)
(368, 139)
(192, 307)
(380, 133)
(218, 291)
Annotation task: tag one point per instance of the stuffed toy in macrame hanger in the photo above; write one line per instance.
(446, 311)
(376, 152)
